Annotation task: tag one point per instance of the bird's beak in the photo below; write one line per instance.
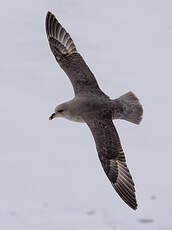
(52, 116)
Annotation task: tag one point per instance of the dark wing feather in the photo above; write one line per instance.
(113, 159)
(70, 60)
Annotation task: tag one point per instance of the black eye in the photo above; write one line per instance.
(60, 111)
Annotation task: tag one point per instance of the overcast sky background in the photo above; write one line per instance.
(50, 175)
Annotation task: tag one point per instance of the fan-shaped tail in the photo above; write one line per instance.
(128, 107)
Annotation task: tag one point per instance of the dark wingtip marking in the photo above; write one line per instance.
(61, 39)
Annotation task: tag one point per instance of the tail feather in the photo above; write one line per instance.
(60, 41)
(130, 108)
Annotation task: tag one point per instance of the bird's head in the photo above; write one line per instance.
(60, 111)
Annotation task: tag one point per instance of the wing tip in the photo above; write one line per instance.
(130, 201)
(134, 207)
(124, 184)
(49, 14)
(55, 30)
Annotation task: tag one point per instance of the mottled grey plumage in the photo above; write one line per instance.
(92, 106)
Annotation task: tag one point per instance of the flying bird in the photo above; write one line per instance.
(93, 107)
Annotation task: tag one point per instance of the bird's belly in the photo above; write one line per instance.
(86, 107)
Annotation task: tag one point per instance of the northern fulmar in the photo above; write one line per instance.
(93, 107)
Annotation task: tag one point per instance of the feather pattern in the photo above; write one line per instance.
(58, 37)
(113, 159)
(70, 60)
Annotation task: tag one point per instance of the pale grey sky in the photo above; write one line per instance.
(128, 46)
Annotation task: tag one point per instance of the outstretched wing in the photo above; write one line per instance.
(70, 60)
(113, 160)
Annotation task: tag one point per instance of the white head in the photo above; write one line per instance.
(60, 111)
